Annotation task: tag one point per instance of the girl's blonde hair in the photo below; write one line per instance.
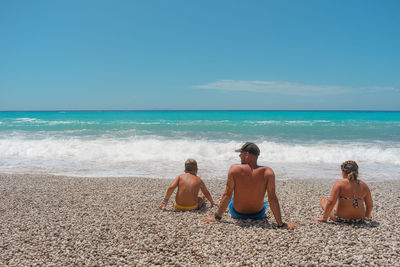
(350, 167)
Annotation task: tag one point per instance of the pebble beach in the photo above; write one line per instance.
(50, 220)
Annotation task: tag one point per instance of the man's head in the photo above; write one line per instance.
(249, 148)
(191, 166)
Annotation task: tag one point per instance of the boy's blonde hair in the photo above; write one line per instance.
(190, 165)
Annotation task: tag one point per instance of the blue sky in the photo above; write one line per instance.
(199, 55)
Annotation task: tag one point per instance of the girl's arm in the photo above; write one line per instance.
(331, 202)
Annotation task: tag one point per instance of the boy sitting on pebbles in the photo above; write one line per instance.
(188, 185)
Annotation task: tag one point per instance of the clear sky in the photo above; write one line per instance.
(199, 54)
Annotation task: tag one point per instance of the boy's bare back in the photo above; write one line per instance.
(188, 189)
(189, 185)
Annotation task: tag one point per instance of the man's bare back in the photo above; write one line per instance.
(248, 182)
(250, 187)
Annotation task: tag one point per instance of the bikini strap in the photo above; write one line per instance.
(355, 201)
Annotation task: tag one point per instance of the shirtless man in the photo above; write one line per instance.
(188, 185)
(249, 182)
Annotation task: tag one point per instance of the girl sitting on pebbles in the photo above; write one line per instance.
(346, 202)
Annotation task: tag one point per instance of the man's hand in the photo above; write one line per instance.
(209, 219)
(163, 204)
(321, 220)
(288, 226)
(215, 204)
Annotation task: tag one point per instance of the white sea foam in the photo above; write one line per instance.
(296, 122)
(22, 120)
(262, 122)
(160, 157)
(149, 123)
(39, 121)
(308, 122)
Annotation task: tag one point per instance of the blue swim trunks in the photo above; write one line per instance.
(236, 215)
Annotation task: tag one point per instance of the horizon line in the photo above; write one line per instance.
(130, 110)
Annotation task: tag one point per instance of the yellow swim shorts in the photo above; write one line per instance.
(179, 207)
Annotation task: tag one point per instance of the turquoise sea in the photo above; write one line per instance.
(297, 144)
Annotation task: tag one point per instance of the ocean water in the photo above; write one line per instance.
(296, 144)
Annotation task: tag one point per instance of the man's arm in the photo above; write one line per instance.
(274, 202)
(272, 198)
(226, 197)
(170, 190)
(207, 194)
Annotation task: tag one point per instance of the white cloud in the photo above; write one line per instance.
(375, 89)
(287, 88)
